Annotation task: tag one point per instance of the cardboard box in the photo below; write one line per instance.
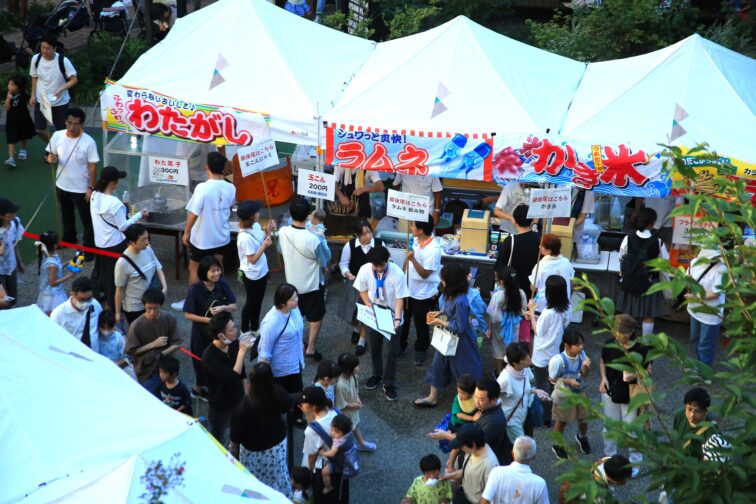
(564, 228)
(475, 224)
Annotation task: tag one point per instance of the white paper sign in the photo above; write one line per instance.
(367, 316)
(46, 108)
(555, 202)
(315, 184)
(681, 230)
(257, 157)
(169, 171)
(408, 206)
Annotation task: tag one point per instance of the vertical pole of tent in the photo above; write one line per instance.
(270, 217)
(319, 152)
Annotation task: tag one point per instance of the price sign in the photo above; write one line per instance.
(408, 206)
(545, 203)
(168, 171)
(681, 234)
(314, 184)
(257, 157)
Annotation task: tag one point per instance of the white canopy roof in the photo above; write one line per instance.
(268, 59)
(693, 91)
(484, 82)
(75, 428)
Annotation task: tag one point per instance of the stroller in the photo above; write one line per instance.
(110, 16)
(68, 16)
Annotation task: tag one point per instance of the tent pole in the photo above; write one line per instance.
(319, 152)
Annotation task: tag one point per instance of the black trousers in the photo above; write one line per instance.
(255, 290)
(339, 495)
(69, 204)
(417, 310)
(103, 274)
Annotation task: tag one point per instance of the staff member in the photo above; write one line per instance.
(422, 186)
(346, 188)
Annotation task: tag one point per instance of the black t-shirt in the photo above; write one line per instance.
(493, 422)
(199, 300)
(223, 383)
(619, 390)
(260, 426)
(175, 397)
(524, 258)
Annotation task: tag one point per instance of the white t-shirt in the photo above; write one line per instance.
(550, 327)
(515, 484)
(126, 277)
(712, 282)
(313, 442)
(49, 78)
(106, 209)
(429, 258)
(476, 474)
(299, 248)
(72, 174)
(423, 186)
(248, 242)
(211, 203)
(550, 265)
(394, 284)
(511, 391)
(347, 177)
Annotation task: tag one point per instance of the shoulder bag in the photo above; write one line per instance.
(154, 282)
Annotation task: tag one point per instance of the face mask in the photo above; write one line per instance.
(226, 341)
(431, 482)
(106, 334)
(82, 305)
(498, 287)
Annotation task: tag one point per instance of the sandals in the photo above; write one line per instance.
(424, 403)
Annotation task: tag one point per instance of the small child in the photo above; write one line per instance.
(463, 407)
(50, 268)
(427, 489)
(316, 225)
(301, 480)
(341, 430)
(326, 376)
(348, 398)
(112, 342)
(566, 372)
(19, 126)
(505, 311)
(11, 231)
(171, 390)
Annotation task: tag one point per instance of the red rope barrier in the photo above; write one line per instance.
(190, 354)
(74, 246)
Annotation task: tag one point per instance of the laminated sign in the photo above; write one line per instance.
(168, 171)
(257, 157)
(407, 206)
(313, 184)
(553, 202)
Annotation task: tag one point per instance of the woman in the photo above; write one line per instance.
(134, 272)
(552, 263)
(455, 318)
(645, 246)
(515, 382)
(258, 431)
(346, 188)
(281, 333)
(109, 220)
(353, 257)
(204, 299)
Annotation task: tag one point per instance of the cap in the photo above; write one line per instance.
(7, 206)
(624, 324)
(248, 208)
(312, 395)
(468, 434)
(111, 174)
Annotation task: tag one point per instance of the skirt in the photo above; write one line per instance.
(640, 306)
(349, 297)
(269, 466)
(300, 9)
(497, 344)
(47, 301)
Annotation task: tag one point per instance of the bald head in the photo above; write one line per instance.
(524, 450)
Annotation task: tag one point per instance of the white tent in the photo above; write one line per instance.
(460, 77)
(75, 428)
(693, 91)
(252, 55)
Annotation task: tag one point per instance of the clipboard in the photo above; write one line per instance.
(368, 317)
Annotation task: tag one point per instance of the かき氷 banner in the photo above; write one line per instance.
(142, 111)
(453, 155)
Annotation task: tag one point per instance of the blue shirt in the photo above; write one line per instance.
(10, 236)
(281, 341)
(477, 310)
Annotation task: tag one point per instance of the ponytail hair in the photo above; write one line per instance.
(46, 245)
(571, 337)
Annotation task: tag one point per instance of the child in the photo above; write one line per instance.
(348, 399)
(19, 126)
(316, 225)
(51, 291)
(301, 479)
(11, 232)
(171, 390)
(112, 342)
(688, 423)
(326, 376)
(477, 308)
(341, 428)
(505, 310)
(427, 489)
(463, 407)
(566, 372)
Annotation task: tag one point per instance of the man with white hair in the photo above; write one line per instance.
(516, 483)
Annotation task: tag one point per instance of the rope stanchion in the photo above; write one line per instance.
(190, 354)
(75, 246)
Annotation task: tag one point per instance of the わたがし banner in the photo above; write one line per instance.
(142, 111)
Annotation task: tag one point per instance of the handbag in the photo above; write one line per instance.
(535, 417)
(444, 424)
(524, 336)
(445, 342)
(153, 283)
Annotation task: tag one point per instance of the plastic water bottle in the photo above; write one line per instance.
(126, 202)
(475, 158)
(453, 148)
(615, 214)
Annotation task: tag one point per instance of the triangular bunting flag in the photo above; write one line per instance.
(677, 132)
(680, 113)
(438, 108)
(221, 63)
(217, 80)
(442, 92)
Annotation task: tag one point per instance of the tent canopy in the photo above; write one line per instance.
(460, 77)
(75, 428)
(252, 55)
(693, 91)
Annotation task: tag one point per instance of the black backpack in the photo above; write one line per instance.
(636, 279)
(61, 65)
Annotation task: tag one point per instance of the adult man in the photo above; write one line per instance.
(75, 153)
(78, 315)
(512, 196)
(346, 187)
(382, 283)
(423, 264)
(423, 186)
(516, 482)
(479, 461)
(151, 337)
(52, 76)
(304, 254)
(207, 213)
(527, 242)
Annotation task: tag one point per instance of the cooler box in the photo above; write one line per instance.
(475, 231)
(564, 228)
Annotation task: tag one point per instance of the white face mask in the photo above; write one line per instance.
(226, 341)
(498, 287)
(106, 334)
(82, 305)
(431, 482)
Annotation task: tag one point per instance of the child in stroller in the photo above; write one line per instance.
(68, 16)
(110, 16)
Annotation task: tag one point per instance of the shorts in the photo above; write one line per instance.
(312, 305)
(59, 116)
(568, 414)
(196, 254)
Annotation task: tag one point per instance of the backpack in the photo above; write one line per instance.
(61, 65)
(351, 466)
(636, 278)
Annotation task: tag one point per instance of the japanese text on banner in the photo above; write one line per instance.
(546, 203)
(681, 230)
(257, 157)
(168, 171)
(314, 184)
(408, 206)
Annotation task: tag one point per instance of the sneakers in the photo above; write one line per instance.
(10, 162)
(22, 154)
(355, 337)
(583, 444)
(419, 358)
(367, 446)
(390, 392)
(202, 395)
(559, 452)
(373, 382)
(178, 305)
